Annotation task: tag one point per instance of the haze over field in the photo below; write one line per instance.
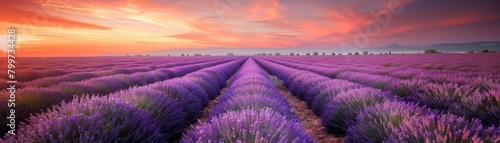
(121, 27)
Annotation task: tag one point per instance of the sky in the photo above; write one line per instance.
(99, 27)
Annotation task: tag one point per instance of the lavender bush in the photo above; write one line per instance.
(376, 123)
(341, 111)
(320, 100)
(441, 97)
(193, 88)
(190, 103)
(32, 100)
(443, 128)
(165, 111)
(328, 84)
(207, 86)
(90, 120)
(482, 105)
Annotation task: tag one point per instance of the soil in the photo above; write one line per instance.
(210, 107)
(310, 121)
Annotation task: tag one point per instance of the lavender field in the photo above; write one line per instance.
(356, 98)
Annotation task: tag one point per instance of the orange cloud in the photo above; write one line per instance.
(24, 17)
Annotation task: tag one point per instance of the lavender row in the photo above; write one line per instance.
(78, 76)
(154, 113)
(478, 100)
(446, 62)
(25, 75)
(28, 70)
(96, 66)
(251, 110)
(436, 76)
(367, 114)
(34, 100)
(82, 63)
(45, 78)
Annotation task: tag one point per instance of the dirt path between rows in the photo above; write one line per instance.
(310, 121)
(211, 106)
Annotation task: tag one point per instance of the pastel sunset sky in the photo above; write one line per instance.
(99, 27)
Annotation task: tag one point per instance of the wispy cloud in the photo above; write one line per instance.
(25, 17)
(124, 25)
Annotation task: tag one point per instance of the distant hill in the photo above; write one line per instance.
(394, 48)
(446, 47)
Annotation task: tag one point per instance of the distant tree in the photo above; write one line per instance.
(380, 53)
(390, 53)
(333, 53)
(188, 55)
(349, 53)
(365, 52)
(492, 51)
(168, 55)
(323, 54)
(297, 54)
(340, 54)
(356, 53)
(277, 54)
(230, 54)
(430, 51)
(308, 54)
(315, 53)
(182, 55)
(371, 53)
(469, 52)
(485, 51)
(292, 54)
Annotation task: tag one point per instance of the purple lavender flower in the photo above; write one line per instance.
(249, 126)
(376, 81)
(482, 105)
(301, 84)
(441, 96)
(48, 81)
(327, 84)
(215, 83)
(443, 128)
(76, 88)
(405, 88)
(375, 123)
(190, 103)
(252, 89)
(341, 110)
(165, 111)
(320, 100)
(256, 102)
(193, 88)
(30, 101)
(90, 120)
